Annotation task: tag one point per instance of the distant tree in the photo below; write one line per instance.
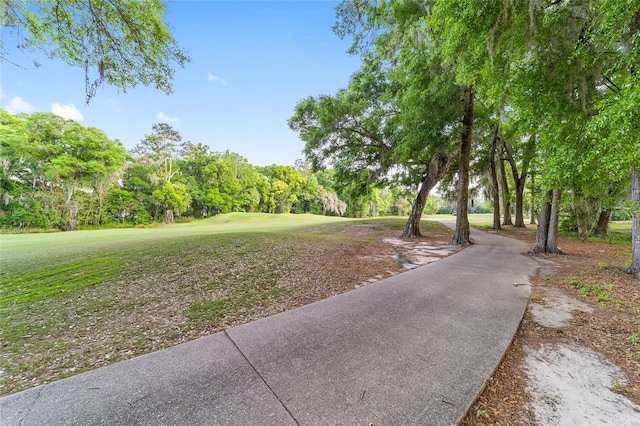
(136, 179)
(45, 161)
(495, 189)
(307, 194)
(16, 167)
(174, 197)
(223, 188)
(518, 155)
(219, 182)
(331, 204)
(160, 151)
(121, 205)
(73, 157)
(284, 189)
(123, 43)
(194, 159)
(247, 182)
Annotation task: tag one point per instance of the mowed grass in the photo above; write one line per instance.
(37, 266)
(58, 281)
(13, 246)
(70, 302)
(619, 233)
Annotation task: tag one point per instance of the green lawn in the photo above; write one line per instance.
(41, 265)
(25, 253)
(74, 301)
(11, 244)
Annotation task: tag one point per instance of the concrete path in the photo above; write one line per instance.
(414, 349)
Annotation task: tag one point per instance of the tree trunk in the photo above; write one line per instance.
(432, 176)
(495, 191)
(519, 181)
(101, 196)
(532, 221)
(552, 238)
(543, 224)
(634, 268)
(603, 223)
(73, 213)
(461, 234)
(506, 198)
(519, 203)
(412, 227)
(168, 216)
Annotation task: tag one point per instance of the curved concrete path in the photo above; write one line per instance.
(414, 349)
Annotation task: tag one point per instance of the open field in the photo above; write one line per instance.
(70, 302)
(16, 244)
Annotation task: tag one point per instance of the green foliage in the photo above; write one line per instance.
(483, 208)
(398, 110)
(18, 217)
(159, 151)
(142, 217)
(285, 188)
(483, 413)
(120, 204)
(618, 234)
(601, 293)
(431, 207)
(621, 388)
(559, 80)
(123, 43)
(46, 161)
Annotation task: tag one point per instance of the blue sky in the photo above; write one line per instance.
(251, 63)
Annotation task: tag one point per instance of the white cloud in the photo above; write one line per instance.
(17, 105)
(14, 104)
(215, 78)
(163, 117)
(68, 111)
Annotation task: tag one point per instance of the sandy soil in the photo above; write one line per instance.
(576, 357)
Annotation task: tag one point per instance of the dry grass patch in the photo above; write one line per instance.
(165, 292)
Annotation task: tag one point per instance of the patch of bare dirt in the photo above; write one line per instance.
(576, 357)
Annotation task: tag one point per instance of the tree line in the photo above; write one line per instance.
(57, 173)
(543, 93)
(506, 92)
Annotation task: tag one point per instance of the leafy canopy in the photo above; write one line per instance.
(123, 43)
